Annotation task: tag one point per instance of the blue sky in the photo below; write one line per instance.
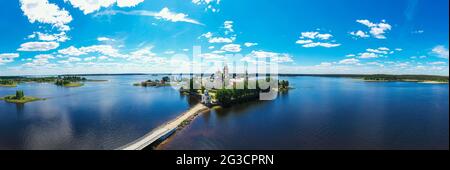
(142, 36)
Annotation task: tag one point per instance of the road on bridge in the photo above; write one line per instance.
(163, 130)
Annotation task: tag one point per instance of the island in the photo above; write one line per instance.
(70, 81)
(165, 81)
(235, 88)
(20, 98)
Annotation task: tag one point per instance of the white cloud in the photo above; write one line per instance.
(402, 64)
(89, 6)
(260, 56)
(377, 30)
(360, 33)
(418, 32)
(314, 35)
(350, 61)
(378, 51)
(89, 58)
(210, 4)
(104, 39)
(218, 52)
(145, 55)
(307, 40)
(128, 3)
(211, 56)
(71, 51)
(324, 64)
(44, 12)
(220, 40)
(107, 50)
(304, 41)
(40, 60)
(324, 36)
(383, 49)
(368, 55)
(207, 35)
(169, 52)
(228, 25)
(438, 63)
(440, 51)
(8, 57)
(60, 37)
(164, 14)
(103, 58)
(232, 48)
(174, 17)
(44, 57)
(375, 63)
(320, 44)
(38, 46)
(74, 59)
(310, 35)
(249, 44)
(212, 39)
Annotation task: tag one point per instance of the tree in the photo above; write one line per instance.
(224, 97)
(203, 89)
(19, 94)
(191, 84)
(166, 79)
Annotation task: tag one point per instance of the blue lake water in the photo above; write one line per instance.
(329, 113)
(320, 113)
(99, 115)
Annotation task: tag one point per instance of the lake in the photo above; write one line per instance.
(320, 113)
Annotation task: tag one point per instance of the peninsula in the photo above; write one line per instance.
(64, 81)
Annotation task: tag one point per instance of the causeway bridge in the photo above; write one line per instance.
(164, 130)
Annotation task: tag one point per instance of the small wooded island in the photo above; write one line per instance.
(70, 81)
(165, 81)
(20, 98)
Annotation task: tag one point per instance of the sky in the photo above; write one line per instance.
(48, 37)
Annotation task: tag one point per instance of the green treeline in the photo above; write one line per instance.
(69, 81)
(165, 81)
(227, 97)
(420, 78)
